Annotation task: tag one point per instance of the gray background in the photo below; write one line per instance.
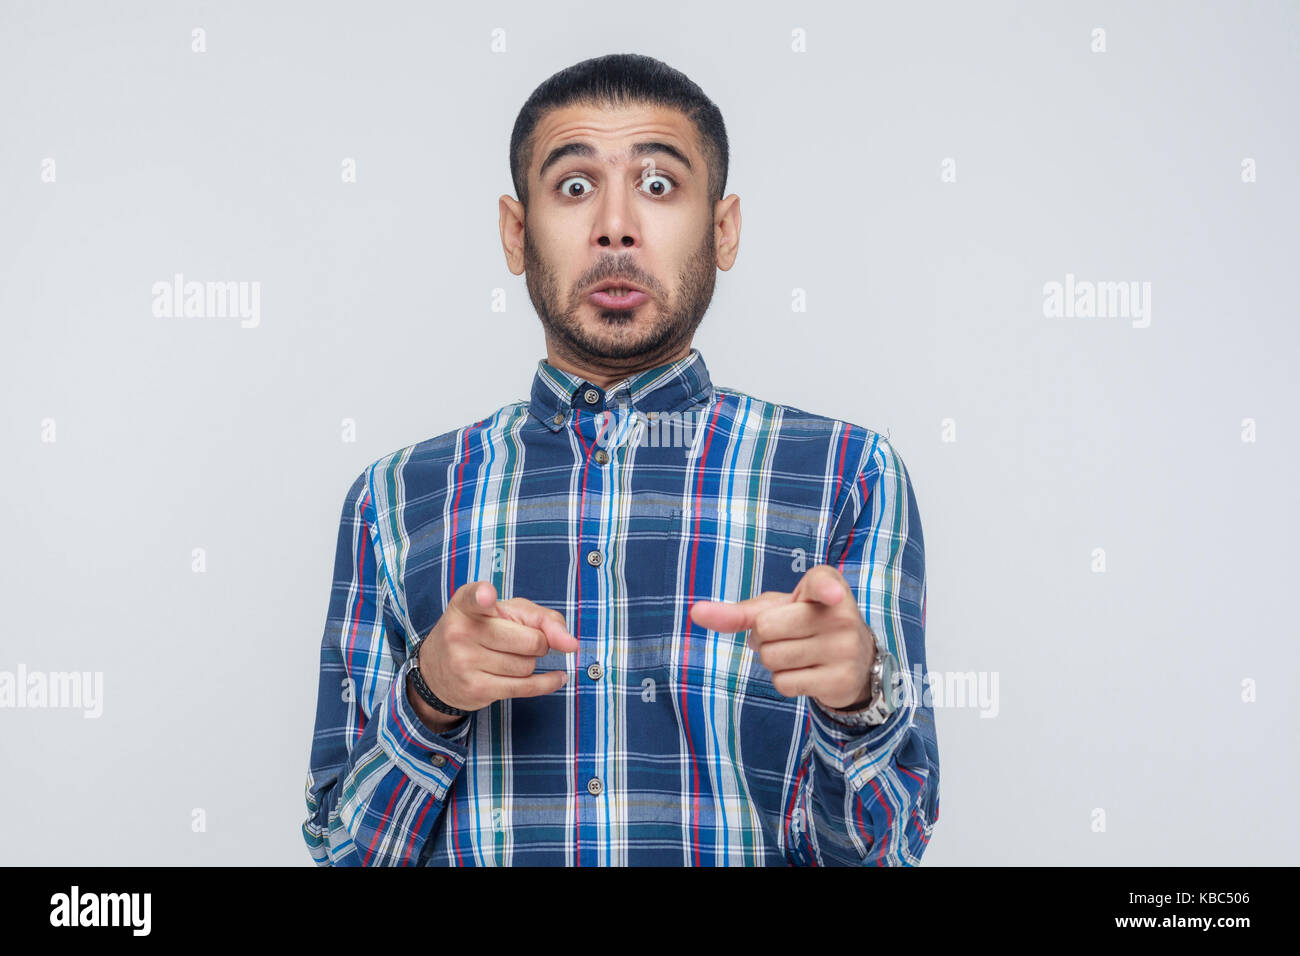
(1119, 691)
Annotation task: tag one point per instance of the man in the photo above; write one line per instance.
(637, 618)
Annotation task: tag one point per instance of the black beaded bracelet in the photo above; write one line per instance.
(427, 695)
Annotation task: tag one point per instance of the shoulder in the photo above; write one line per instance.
(420, 468)
(868, 452)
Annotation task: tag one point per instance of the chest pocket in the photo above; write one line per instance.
(716, 555)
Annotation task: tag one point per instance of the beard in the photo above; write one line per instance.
(622, 337)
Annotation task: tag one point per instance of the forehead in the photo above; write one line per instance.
(612, 130)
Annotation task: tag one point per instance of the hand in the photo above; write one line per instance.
(483, 650)
(814, 641)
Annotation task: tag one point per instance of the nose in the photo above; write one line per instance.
(615, 223)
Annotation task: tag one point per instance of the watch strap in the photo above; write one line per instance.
(875, 711)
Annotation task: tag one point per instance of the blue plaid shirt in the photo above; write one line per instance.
(669, 745)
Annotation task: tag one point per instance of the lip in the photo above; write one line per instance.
(600, 295)
(616, 284)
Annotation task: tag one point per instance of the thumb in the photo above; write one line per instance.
(821, 587)
(477, 599)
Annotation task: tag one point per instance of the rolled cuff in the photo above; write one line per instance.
(432, 760)
(861, 753)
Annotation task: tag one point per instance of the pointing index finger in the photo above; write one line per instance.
(550, 623)
(731, 617)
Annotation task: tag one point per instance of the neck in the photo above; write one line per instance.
(608, 373)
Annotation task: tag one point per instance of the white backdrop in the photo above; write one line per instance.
(918, 173)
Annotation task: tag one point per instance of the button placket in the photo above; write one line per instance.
(593, 554)
(620, 428)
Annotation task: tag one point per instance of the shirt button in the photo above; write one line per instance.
(592, 396)
(602, 456)
(438, 760)
(594, 786)
(558, 419)
(595, 671)
(594, 558)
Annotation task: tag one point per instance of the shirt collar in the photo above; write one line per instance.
(673, 387)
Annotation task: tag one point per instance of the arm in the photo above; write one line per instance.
(871, 797)
(378, 776)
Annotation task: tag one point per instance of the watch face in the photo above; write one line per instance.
(887, 671)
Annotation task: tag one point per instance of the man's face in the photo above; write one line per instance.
(618, 209)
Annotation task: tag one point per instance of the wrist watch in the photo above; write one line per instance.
(879, 708)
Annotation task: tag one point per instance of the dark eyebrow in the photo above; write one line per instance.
(587, 150)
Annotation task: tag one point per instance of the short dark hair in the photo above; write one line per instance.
(616, 80)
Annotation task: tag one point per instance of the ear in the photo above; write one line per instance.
(512, 233)
(726, 225)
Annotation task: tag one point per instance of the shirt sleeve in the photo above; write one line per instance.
(378, 778)
(870, 797)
